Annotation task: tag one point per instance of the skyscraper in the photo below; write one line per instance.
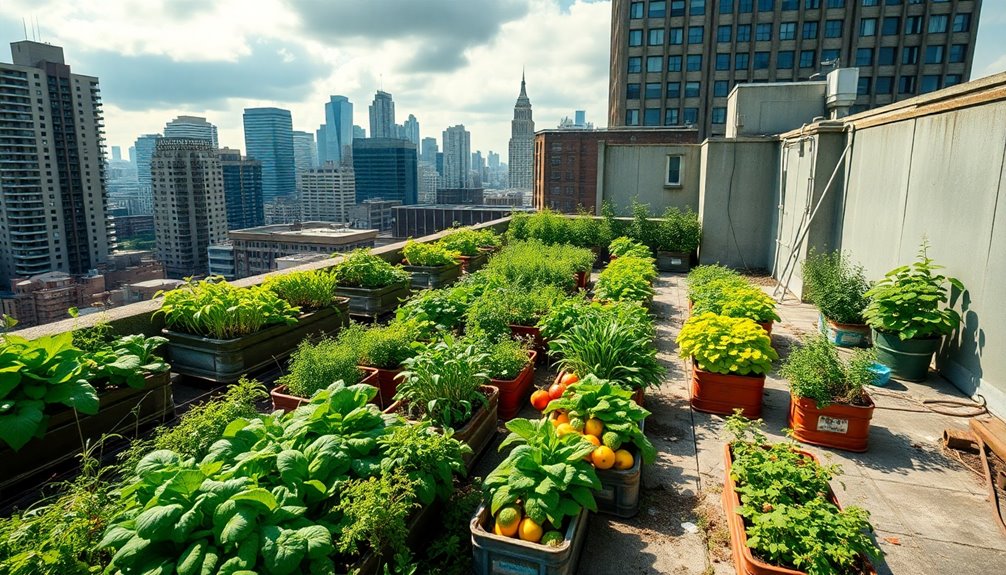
(269, 139)
(335, 136)
(193, 128)
(457, 157)
(305, 152)
(521, 142)
(382, 116)
(429, 151)
(242, 190)
(386, 169)
(412, 130)
(359, 132)
(55, 221)
(116, 153)
(189, 210)
(327, 194)
(673, 67)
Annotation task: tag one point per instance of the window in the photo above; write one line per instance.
(934, 54)
(635, 10)
(806, 58)
(692, 89)
(671, 117)
(784, 60)
(891, 26)
(695, 34)
(674, 169)
(657, 9)
(694, 63)
(723, 61)
(886, 56)
(677, 7)
(811, 4)
(721, 88)
(766, 5)
(910, 55)
(719, 115)
(651, 117)
(958, 52)
(697, 7)
(632, 91)
(635, 37)
(830, 56)
(723, 33)
(863, 89)
(656, 37)
(726, 6)
(763, 31)
(653, 90)
(868, 27)
(836, 3)
(743, 32)
(871, 2)
(761, 60)
(673, 90)
(632, 117)
(691, 115)
(654, 64)
(745, 6)
(913, 25)
(740, 61)
(674, 63)
(962, 23)
(952, 80)
(833, 29)
(790, 4)
(906, 85)
(787, 30)
(677, 36)
(892, 2)
(809, 30)
(929, 84)
(885, 84)
(937, 23)
(864, 56)
(635, 65)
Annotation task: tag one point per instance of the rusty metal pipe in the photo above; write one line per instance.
(961, 440)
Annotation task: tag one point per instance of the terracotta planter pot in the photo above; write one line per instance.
(767, 326)
(840, 426)
(581, 279)
(471, 264)
(722, 394)
(282, 400)
(387, 385)
(514, 392)
(532, 333)
(744, 561)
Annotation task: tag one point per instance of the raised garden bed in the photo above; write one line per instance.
(433, 277)
(723, 393)
(498, 555)
(619, 494)
(841, 426)
(420, 524)
(472, 264)
(282, 400)
(513, 392)
(373, 303)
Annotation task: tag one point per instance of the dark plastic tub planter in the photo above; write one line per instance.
(722, 394)
(908, 359)
(433, 277)
(472, 264)
(498, 555)
(286, 402)
(844, 334)
(513, 392)
(121, 410)
(744, 560)
(677, 262)
(226, 360)
(373, 303)
(840, 425)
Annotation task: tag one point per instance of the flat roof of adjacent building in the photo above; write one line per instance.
(163, 282)
(307, 232)
(466, 207)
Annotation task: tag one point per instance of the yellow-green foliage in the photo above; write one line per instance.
(722, 344)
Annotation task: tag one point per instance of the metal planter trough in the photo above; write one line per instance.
(373, 303)
(433, 277)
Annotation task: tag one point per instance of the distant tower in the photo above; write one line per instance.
(305, 151)
(242, 190)
(335, 136)
(412, 130)
(429, 151)
(382, 116)
(269, 139)
(521, 141)
(193, 128)
(457, 157)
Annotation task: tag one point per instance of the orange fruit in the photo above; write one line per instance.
(529, 530)
(569, 379)
(593, 439)
(623, 459)
(562, 418)
(594, 427)
(565, 429)
(603, 457)
(539, 399)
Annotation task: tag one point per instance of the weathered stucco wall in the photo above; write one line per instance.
(627, 172)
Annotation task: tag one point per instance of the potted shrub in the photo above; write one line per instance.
(838, 288)
(519, 521)
(910, 312)
(509, 364)
(472, 245)
(445, 383)
(322, 312)
(374, 287)
(512, 311)
(734, 298)
(829, 404)
(629, 278)
(678, 235)
(432, 265)
(782, 514)
(730, 357)
(314, 366)
(385, 348)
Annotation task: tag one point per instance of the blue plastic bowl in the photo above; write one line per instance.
(881, 374)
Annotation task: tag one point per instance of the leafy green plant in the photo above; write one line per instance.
(93, 338)
(836, 285)
(492, 313)
(737, 299)
(628, 278)
(678, 231)
(815, 371)
(505, 358)
(625, 246)
(429, 255)
(362, 269)
(440, 310)
(312, 289)
(375, 512)
(612, 404)
(314, 366)
(544, 226)
(443, 382)
(464, 241)
(727, 345)
(428, 458)
(531, 264)
(910, 300)
(700, 277)
(609, 347)
(571, 311)
(126, 361)
(587, 231)
(219, 310)
(545, 472)
(642, 229)
(387, 346)
(35, 374)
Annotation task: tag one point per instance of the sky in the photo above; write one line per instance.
(445, 61)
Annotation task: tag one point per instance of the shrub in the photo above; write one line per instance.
(610, 348)
(439, 310)
(734, 298)
(464, 241)
(642, 228)
(545, 226)
(505, 358)
(836, 285)
(362, 269)
(428, 255)
(443, 382)
(386, 347)
(492, 313)
(700, 278)
(680, 231)
(624, 246)
(316, 366)
(816, 372)
(219, 310)
(909, 301)
(727, 345)
(307, 290)
(586, 231)
(627, 278)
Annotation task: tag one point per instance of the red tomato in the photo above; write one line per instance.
(539, 399)
(556, 391)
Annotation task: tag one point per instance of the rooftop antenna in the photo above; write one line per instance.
(38, 29)
(25, 26)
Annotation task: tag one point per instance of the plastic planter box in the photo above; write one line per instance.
(373, 303)
(497, 555)
(678, 262)
(513, 392)
(841, 426)
(282, 400)
(721, 394)
(433, 277)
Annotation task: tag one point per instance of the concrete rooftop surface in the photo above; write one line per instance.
(931, 514)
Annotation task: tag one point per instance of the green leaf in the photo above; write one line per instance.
(282, 549)
(115, 536)
(238, 527)
(191, 559)
(157, 523)
(501, 498)
(259, 496)
(17, 428)
(292, 465)
(319, 541)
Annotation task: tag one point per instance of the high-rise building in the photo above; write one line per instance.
(189, 205)
(382, 116)
(327, 194)
(335, 136)
(359, 132)
(457, 157)
(269, 139)
(305, 152)
(521, 142)
(428, 183)
(412, 130)
(116, 153)
(53, 205)
(386, 169)
(144, 147)
(242, 189)
(429, 151)
(675, 65)
(192, 128)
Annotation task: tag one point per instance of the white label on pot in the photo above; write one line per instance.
(832, 425)
(675, 261)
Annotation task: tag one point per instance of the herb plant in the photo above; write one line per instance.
(491, 314)
(429, 255)
(611, 347)
(737, 299)
(625, 246)
(642, 228)
(727, 345)
(315, 366)
(545, 226)
(836, 285)
(443, 382)
(910, 301)
(362, 269)
(628, 278)
(428, 458)
(375, 512)
(506, 357)
(464, 241)
(700, 276)
(815, 371)
(532, 264)
(221, 310)
(387, 346)
(307, 290)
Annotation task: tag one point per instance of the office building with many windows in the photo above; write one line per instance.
(385, 169)
(674, 62)
(269, 139)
